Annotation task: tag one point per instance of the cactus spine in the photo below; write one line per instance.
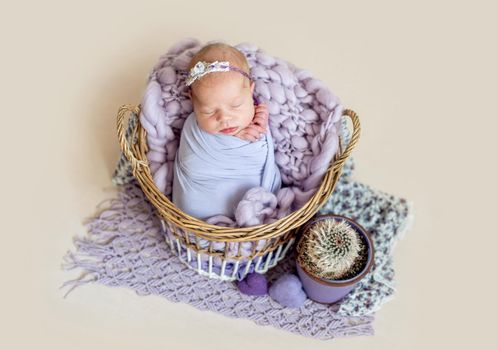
(329, 249)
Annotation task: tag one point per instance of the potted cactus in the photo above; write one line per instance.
(333, 254)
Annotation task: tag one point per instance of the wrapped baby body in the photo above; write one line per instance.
(212, 172)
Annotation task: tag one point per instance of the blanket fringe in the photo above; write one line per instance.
(108, 224)
(89, 274)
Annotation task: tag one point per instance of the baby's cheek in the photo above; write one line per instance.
(206, 125)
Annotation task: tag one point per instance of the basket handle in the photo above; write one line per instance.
(125, 147)
(353, 140)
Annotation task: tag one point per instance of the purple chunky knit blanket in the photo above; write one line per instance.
(304, 119)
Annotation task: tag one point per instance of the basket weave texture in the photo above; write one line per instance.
(190, 232)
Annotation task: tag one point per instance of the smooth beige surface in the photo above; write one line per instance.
(421, 75)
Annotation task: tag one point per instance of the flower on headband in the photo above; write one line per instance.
(199, 68)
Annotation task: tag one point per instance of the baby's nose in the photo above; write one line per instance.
(222, 116)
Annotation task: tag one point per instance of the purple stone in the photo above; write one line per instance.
(253, 284)
(287, 291)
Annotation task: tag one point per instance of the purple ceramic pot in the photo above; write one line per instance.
(330, 291)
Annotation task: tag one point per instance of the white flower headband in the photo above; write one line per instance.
(202, 68)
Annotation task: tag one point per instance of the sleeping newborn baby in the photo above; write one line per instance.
(225, 146)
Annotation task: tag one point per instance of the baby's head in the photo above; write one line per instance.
(222, 101)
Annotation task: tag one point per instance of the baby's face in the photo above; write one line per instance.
(225, 106)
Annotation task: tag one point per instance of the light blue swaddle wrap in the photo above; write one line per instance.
(212, 172)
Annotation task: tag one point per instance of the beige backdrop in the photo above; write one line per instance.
(420, 74)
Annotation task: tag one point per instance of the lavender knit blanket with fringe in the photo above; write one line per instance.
(125, 247)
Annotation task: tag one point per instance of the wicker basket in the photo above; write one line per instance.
(187, 235)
